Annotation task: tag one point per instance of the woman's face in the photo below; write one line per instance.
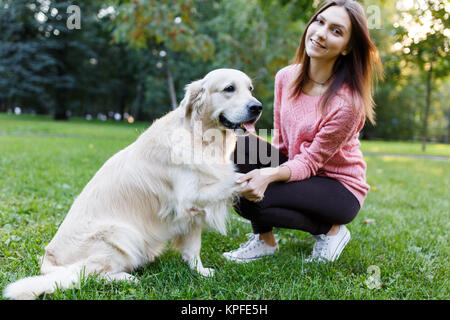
(327, 37)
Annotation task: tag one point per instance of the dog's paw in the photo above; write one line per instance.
(237, 175)
(206, 272)
(242, 185)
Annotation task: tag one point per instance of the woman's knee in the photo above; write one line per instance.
(247, 209)
(347, 217)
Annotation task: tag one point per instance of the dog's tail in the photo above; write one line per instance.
(32, 287)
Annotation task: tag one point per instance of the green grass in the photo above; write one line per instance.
(76, 127)
(406, 147)
(44, 165)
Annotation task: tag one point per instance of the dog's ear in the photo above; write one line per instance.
(194, 100)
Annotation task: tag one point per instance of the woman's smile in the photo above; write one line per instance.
(317, 44)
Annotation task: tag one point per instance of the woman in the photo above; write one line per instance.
(320, 105)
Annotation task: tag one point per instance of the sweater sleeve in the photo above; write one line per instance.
(277, 140)
(338, 126)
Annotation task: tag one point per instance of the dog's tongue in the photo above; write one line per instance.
(249, 126)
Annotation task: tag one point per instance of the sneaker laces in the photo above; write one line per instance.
(251, 237)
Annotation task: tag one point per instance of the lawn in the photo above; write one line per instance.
(45, 164)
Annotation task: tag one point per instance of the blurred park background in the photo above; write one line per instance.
(129, 60)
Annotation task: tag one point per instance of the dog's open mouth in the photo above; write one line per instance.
(246, 126)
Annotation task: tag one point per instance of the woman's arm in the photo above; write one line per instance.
(281, 173)
(277, 140)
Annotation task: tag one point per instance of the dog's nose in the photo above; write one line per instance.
(255, 107)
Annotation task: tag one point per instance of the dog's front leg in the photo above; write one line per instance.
(189, 247)
(216, 192)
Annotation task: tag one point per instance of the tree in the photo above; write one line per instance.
(258, 37)
(168, 26)
(42, 59)
(392, 95)
(70, 47)
(422, 33)
(24, 63)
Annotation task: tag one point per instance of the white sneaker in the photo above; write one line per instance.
(328, 248)
(253, 249)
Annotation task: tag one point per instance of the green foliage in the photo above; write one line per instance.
(168, 23)
(255, 36)
(401, 97)
(433, 47)
(23, 63)
(428, 52)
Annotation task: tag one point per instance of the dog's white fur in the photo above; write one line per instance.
(140, 198)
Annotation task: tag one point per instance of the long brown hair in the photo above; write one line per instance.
(356, 69)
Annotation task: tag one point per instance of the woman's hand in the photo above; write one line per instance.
(258, 180)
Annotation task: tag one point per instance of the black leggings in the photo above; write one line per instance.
(311, 205)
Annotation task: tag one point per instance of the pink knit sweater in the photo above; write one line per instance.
(319, 146)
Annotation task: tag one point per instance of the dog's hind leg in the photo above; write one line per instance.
(189, 246)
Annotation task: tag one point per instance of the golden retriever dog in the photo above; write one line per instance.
(174, 180)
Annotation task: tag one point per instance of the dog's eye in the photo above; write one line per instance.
(250, 88)
(229, 89)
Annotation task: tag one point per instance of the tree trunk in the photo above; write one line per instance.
(3, 107)
(60, 110)
(122, 106)
(60, 92)
(448, 129)
(173, 97)
(138, 112)
(427, 108)
(123, 100)
(12, 103)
